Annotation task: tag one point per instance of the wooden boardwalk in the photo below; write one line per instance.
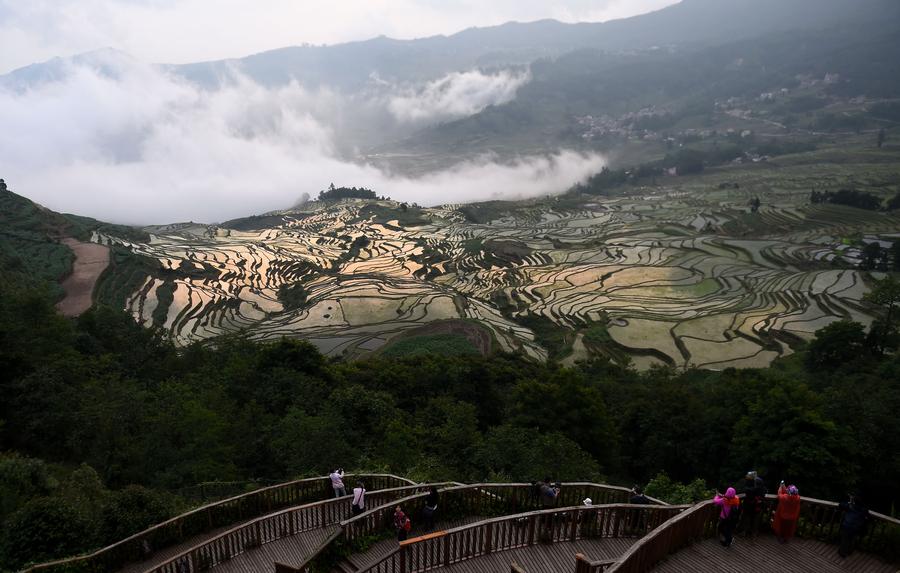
(766, 554)
(556, 558)
(290, 551)
(167, 553)
(383, 547)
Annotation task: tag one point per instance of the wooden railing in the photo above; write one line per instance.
(585, 565)
(819, 519)
(445, 548)
(484, 499)
(697, 523)
(272, 527)
(467, 500)
(207, 518)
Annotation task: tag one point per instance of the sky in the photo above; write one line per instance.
(131, 142)
(180, 31)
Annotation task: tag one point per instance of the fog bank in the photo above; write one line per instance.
(141, 146)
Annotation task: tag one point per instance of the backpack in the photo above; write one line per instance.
(407, 526)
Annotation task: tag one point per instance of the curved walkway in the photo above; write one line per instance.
(164, 554)
(295, 549)
(766, 554)
(555, 558)
(379, 550)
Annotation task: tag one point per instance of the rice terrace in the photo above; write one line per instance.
(683, 273)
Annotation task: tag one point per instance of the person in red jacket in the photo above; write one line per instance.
(785, 522)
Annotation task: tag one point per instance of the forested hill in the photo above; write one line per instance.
(102, 418)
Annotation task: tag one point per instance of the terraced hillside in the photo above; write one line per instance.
(680, 274)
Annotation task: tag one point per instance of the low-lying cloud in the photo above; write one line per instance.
(145, 147)
(457, 94)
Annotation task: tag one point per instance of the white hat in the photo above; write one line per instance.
(588, 501)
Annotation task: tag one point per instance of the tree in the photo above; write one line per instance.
(837, 344)
(673, 492)
(886, 294)
(309, 445)
(133, 509)
(786, 434)
(527, 454)
(21, 479)
(565, 401)
(872, 255)
(45, 528)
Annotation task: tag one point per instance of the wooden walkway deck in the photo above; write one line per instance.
(290, 551)
(379, 550)
(556, 558)
(167, 553)
(766, 554)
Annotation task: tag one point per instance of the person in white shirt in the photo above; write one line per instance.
(358, 505)
(337, 482)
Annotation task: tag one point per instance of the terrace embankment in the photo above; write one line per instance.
(91, 260)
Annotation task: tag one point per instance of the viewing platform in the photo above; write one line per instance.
(299, 527)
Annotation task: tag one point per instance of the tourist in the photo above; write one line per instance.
(638, 517)
(788, 512)
(431, 504)
(401, 523)
(753, 505)
(358, 504)
(853, 525)
(638, 497)
(337, 482)
(729, 512)
(549, 493)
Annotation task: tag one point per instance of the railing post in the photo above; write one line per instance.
(488, 538)
(581, 564)
(402, 555)
(531, 521)
(446, 551)
(575, 519)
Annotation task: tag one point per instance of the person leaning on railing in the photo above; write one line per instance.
(358, 503)
(853, 524)
(729, 513)
(784, 523)
(337, 482)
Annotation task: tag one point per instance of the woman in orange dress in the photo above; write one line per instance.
(787, 514)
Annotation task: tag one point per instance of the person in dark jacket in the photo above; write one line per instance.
(431, 504)
(853, 524)
(638, 497)
(549, 493)
(638, 517)
(754, 504)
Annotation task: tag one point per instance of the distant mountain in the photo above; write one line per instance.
(691, 23)
(352, 66)
(861, 55)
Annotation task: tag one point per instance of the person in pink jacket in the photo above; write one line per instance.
(729, 512)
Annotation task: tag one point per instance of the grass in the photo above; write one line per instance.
(439, 344)
(555, 338)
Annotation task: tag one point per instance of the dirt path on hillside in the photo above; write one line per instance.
(91, 260)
